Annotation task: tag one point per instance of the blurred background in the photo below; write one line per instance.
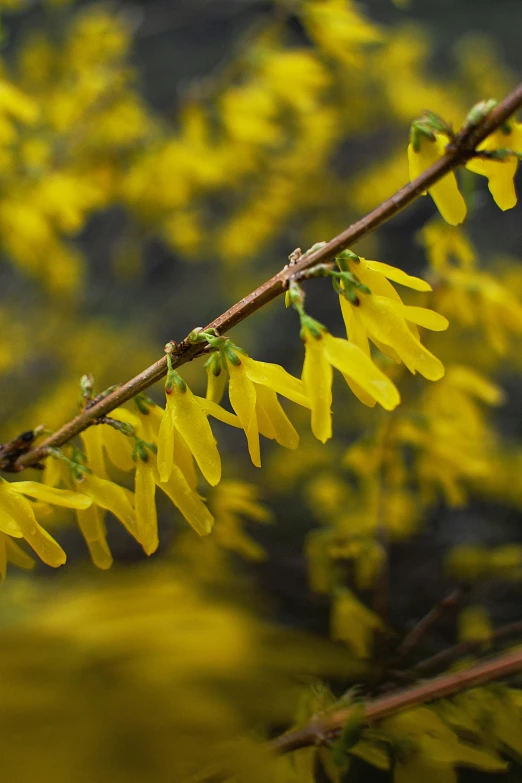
(158, 160)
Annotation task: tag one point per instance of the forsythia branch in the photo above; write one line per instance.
(458, 152)
(382, 707)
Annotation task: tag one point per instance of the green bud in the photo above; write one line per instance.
(231, 355)
(478, 112)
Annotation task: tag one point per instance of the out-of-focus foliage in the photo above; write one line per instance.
(161, 672)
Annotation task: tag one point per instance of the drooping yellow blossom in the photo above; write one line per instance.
(184, 413)
(476, 298)
(382, 317)
(353, 623)
(452, 443)
(231, 501)
(17, 516)
(500, 173)
(368, 383)
(447, 246)
(253, 389)
(445, 193)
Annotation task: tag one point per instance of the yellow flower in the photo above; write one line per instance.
(353, 623)
(144, 493)
(184, 414)
(446, 245)
(253, 389)
(445, 192)
(500, 173)
(382, 317)
(322, 352)
(17, 517)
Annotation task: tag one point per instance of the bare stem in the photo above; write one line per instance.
(461, 149)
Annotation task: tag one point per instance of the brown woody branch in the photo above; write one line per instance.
(458, 152)
(325, 726)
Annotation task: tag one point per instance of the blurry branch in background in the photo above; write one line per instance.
(459, 151)
(447, 656)
(325, 727)
(412, 639)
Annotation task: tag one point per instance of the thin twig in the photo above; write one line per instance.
(450, 654)
(412, 639)
(382, 707)
(458, 153)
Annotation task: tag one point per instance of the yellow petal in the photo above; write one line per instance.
(184, 459)
(112, 497)
(90, 521)
(360, 393)
(165, 454)
(283, 429)
(448, 199)
(58, 497)
(93, 447)
(351, 361)
(242, 395)
(211, 408)
(216, 385)
(429, 319)
(190, 420)
(274, 377)
(500, 175)
(38, 539)
(384, 321)
(398, 276)
(117, 445)
(355, 330)
(188, 502)
(146, 517)
(8, 524)
(317, 378)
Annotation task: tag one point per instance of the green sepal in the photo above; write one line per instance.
(316, 328)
